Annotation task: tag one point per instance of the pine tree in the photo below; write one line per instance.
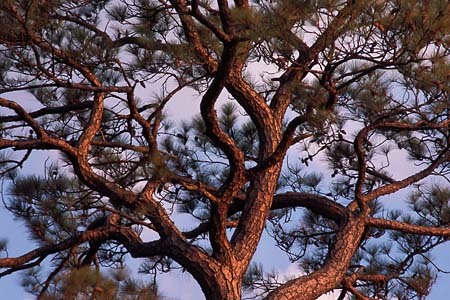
(302, 112)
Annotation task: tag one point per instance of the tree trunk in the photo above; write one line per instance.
(222, 284)
(331, 274)
(218, 281)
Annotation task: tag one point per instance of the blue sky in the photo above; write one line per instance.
(177, 285)
(181, 286)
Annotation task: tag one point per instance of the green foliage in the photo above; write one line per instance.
(332, 95)
(47, 205)
(432, 204)
(89, 283)
(4, 245)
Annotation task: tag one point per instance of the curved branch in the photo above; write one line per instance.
(318, 204)
(392, 186)
(24, 116)
(30, 265)
(49, 111)
(236, 177)
(101, 234)
(287, 140)
(220, 34)
(268, 127)
(348, 283)
(408, 228)
(332, 273)
(358, 145)
(192, 35)
(95, 122)
(307, 55)
(213, 130)
(398, 185)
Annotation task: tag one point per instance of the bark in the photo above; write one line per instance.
(331, 274)
(217, 279)
(248, 193)
(251, 224)
(223, 285)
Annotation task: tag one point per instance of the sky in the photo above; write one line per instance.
(181, 286)
(177, 285)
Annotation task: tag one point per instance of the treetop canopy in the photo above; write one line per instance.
(302, 112)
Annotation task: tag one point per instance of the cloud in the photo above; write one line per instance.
(179, 286)
(330, 296)
(293, 271)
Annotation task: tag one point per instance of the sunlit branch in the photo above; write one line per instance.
(408, 228)
(335, 267)
(23, 115)
(94, 124)
(42, 252)
(213, 130)
(358, 145)
(317, 204)
(49, 111)
(192, 35)
(221, 35)
(397, 185)
(288, 139)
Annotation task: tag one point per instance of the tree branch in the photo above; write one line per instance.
(298, 70)
(49, 111)
(397, 185)
(193, 36)
(408, 228)
(101, 234)
(331, 274)
(220, 34)
(317, 204)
